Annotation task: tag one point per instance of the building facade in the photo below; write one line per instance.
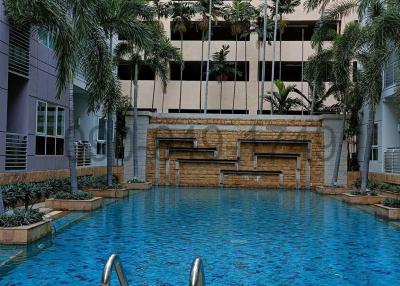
(33, 122)
(293, 51)
(385, 153)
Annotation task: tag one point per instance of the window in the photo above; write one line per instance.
(390, 72)
(101, 137)
(50, 129)
(294, 30)
(191, 71)
(46, 38)
(145, 72)
(220, 32)
(375, 147)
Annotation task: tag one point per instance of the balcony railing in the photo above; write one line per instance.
(16, 152)
(19, 51)
(83, 153)
(392, 160)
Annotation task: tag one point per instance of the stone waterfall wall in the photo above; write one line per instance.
(236, 150)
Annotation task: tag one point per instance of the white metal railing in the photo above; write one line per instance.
(19, 51)
(392, 160)
(83, 153)
(16, 152)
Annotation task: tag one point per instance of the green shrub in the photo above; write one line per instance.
(73, 196)
(136, 180)
(393, 203)
(20, 217)
(94, 182)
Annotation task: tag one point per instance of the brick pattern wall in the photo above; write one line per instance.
(207, 174)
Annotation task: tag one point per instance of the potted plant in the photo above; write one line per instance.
(390, 208)
(21, 225)
(97, 186)
(138, 184)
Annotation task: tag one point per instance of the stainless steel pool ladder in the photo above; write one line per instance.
(196, 273)
(113, 260)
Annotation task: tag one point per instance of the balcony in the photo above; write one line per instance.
(16, 152)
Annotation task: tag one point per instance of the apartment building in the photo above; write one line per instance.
(294, 52)
(385, 153)
(33, 122)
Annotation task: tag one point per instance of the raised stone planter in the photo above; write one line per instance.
(139, 186)
(74, 205)
(24, 234)
(325, 190)
(362, 200)
(387, 212)
(109, 193)
(390, 194)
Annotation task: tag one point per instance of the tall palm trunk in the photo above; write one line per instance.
(367, 150)
(201, 67)
(280, 49)
(2, 209)
(245, 71)
(335, 175)
(109, 137)
(235, 75)
(71, 141)
(162, 105)
(181, 76)
(258, 75)
(220, 98)
(154, 92)
(135, 122)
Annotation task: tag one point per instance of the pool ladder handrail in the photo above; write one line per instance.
(113, 260)
(197, 273)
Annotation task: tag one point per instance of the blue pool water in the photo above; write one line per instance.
(245, 237)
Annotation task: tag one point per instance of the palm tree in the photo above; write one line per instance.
(68, 35)
(284, 7)
(239, 16)
(281, 100)
(202, 7)
(2, 210)
(126, 18)
(257, 28)
(181, 13)
(379, 34)
(158, 59)
(221, 69)
(162, 10)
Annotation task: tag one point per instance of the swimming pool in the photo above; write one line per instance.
(245, 237)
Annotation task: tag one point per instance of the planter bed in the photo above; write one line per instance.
(362, 200)
(387, 212)
(74, 205)
(24, 234)
(325, 190)
(139, 186)
(109, 193)
(390, 194)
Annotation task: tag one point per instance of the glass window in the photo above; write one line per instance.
(46, 38)
(51, 120)
(41, 117)
(60, 121)
(50, 129)
(101, 136)
(375, 143)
